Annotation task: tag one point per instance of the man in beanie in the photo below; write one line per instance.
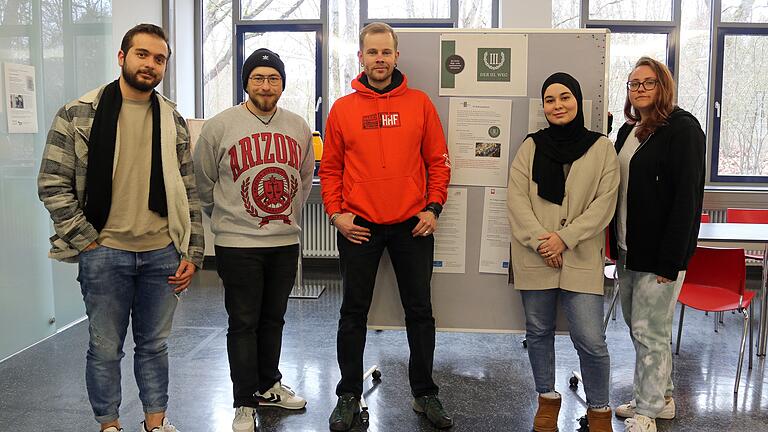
(254, 165)
(384, 178)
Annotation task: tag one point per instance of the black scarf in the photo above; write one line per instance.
(559, 145)
(101, 156)
(397, 79)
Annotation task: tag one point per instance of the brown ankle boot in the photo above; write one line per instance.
(599, 421)
(546, 415)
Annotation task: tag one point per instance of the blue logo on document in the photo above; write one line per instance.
(505, 264)
(437, 263)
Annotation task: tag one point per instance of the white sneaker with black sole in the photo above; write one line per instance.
(282, 396)
(245, 419)
(628, 410)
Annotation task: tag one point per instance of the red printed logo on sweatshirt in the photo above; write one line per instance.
(381, 120)
(273, 192)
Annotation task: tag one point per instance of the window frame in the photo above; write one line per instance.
(322, 26)
(718, 55)
(239, 43)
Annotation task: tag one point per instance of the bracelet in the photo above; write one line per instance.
(333, 218)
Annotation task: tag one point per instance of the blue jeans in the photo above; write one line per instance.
(585, 322)
(117, 286)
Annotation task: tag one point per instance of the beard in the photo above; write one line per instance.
(265, 103)
(133, 80)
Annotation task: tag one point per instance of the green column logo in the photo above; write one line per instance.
(493, 64)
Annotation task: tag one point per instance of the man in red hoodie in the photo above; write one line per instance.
(384, 179)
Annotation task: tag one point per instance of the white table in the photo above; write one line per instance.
(741, 235)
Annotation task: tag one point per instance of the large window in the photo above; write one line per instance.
(317, 39)
(718, 51)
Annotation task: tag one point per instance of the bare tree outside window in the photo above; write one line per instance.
(344, 19)
(626, 48)
(693, 69)
(15, 12)
(475, 13)
(217, 56)
(280, 9)
(91, 11)
(635, 10)
(566, 14)
(744, 117)
(382, 9)
(744, 11)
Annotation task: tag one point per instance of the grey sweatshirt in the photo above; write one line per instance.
(253, 179)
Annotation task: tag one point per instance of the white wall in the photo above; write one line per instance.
(184, 56)
(128, 13)
(525, 13)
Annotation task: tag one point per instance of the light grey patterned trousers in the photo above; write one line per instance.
(648, 308)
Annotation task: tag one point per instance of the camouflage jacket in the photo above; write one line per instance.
(61, 181)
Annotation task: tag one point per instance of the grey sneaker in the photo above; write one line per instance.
(627, 410)
(246, 420)
(280, 395)
(433, 409)
(344, 414)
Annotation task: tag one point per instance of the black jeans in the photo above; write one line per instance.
(257, 283)
(412, 261)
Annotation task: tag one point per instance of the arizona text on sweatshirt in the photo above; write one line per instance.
(253, 179)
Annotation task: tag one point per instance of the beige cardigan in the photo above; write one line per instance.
(591, 190)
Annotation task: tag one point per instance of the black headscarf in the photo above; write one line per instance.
(559, 145)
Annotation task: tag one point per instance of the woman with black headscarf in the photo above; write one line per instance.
(562, 193)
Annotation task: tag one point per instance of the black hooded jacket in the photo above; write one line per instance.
(664, 196)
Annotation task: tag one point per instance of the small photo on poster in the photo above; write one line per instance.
(17, 101)
(483, 149)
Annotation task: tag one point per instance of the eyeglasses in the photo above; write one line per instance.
(273, 80)
(648, 85)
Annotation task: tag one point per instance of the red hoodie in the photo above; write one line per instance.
(384, 156)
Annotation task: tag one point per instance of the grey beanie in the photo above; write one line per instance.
(262, 57)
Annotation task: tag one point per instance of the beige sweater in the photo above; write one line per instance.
(591, 190)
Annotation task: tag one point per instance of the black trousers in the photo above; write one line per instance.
(412, 261)
(257, 283)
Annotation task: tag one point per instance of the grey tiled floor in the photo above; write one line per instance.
(485, 378)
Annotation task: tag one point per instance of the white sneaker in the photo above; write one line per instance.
(245, 419)
(165, 427)
(282, 396)
(640, 423)
(112, 429)
(627, 410)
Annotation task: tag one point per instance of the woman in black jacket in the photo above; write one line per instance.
(661, 155)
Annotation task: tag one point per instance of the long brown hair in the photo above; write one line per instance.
(663, 104)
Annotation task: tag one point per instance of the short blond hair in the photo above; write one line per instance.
(376, 28)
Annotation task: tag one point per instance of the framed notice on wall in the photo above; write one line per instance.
(483, 65)
(20, 98)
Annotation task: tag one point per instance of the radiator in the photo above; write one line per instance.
(319, 237)
(718, 216)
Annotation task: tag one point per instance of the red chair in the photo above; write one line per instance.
(739, 215)
(715, 282)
